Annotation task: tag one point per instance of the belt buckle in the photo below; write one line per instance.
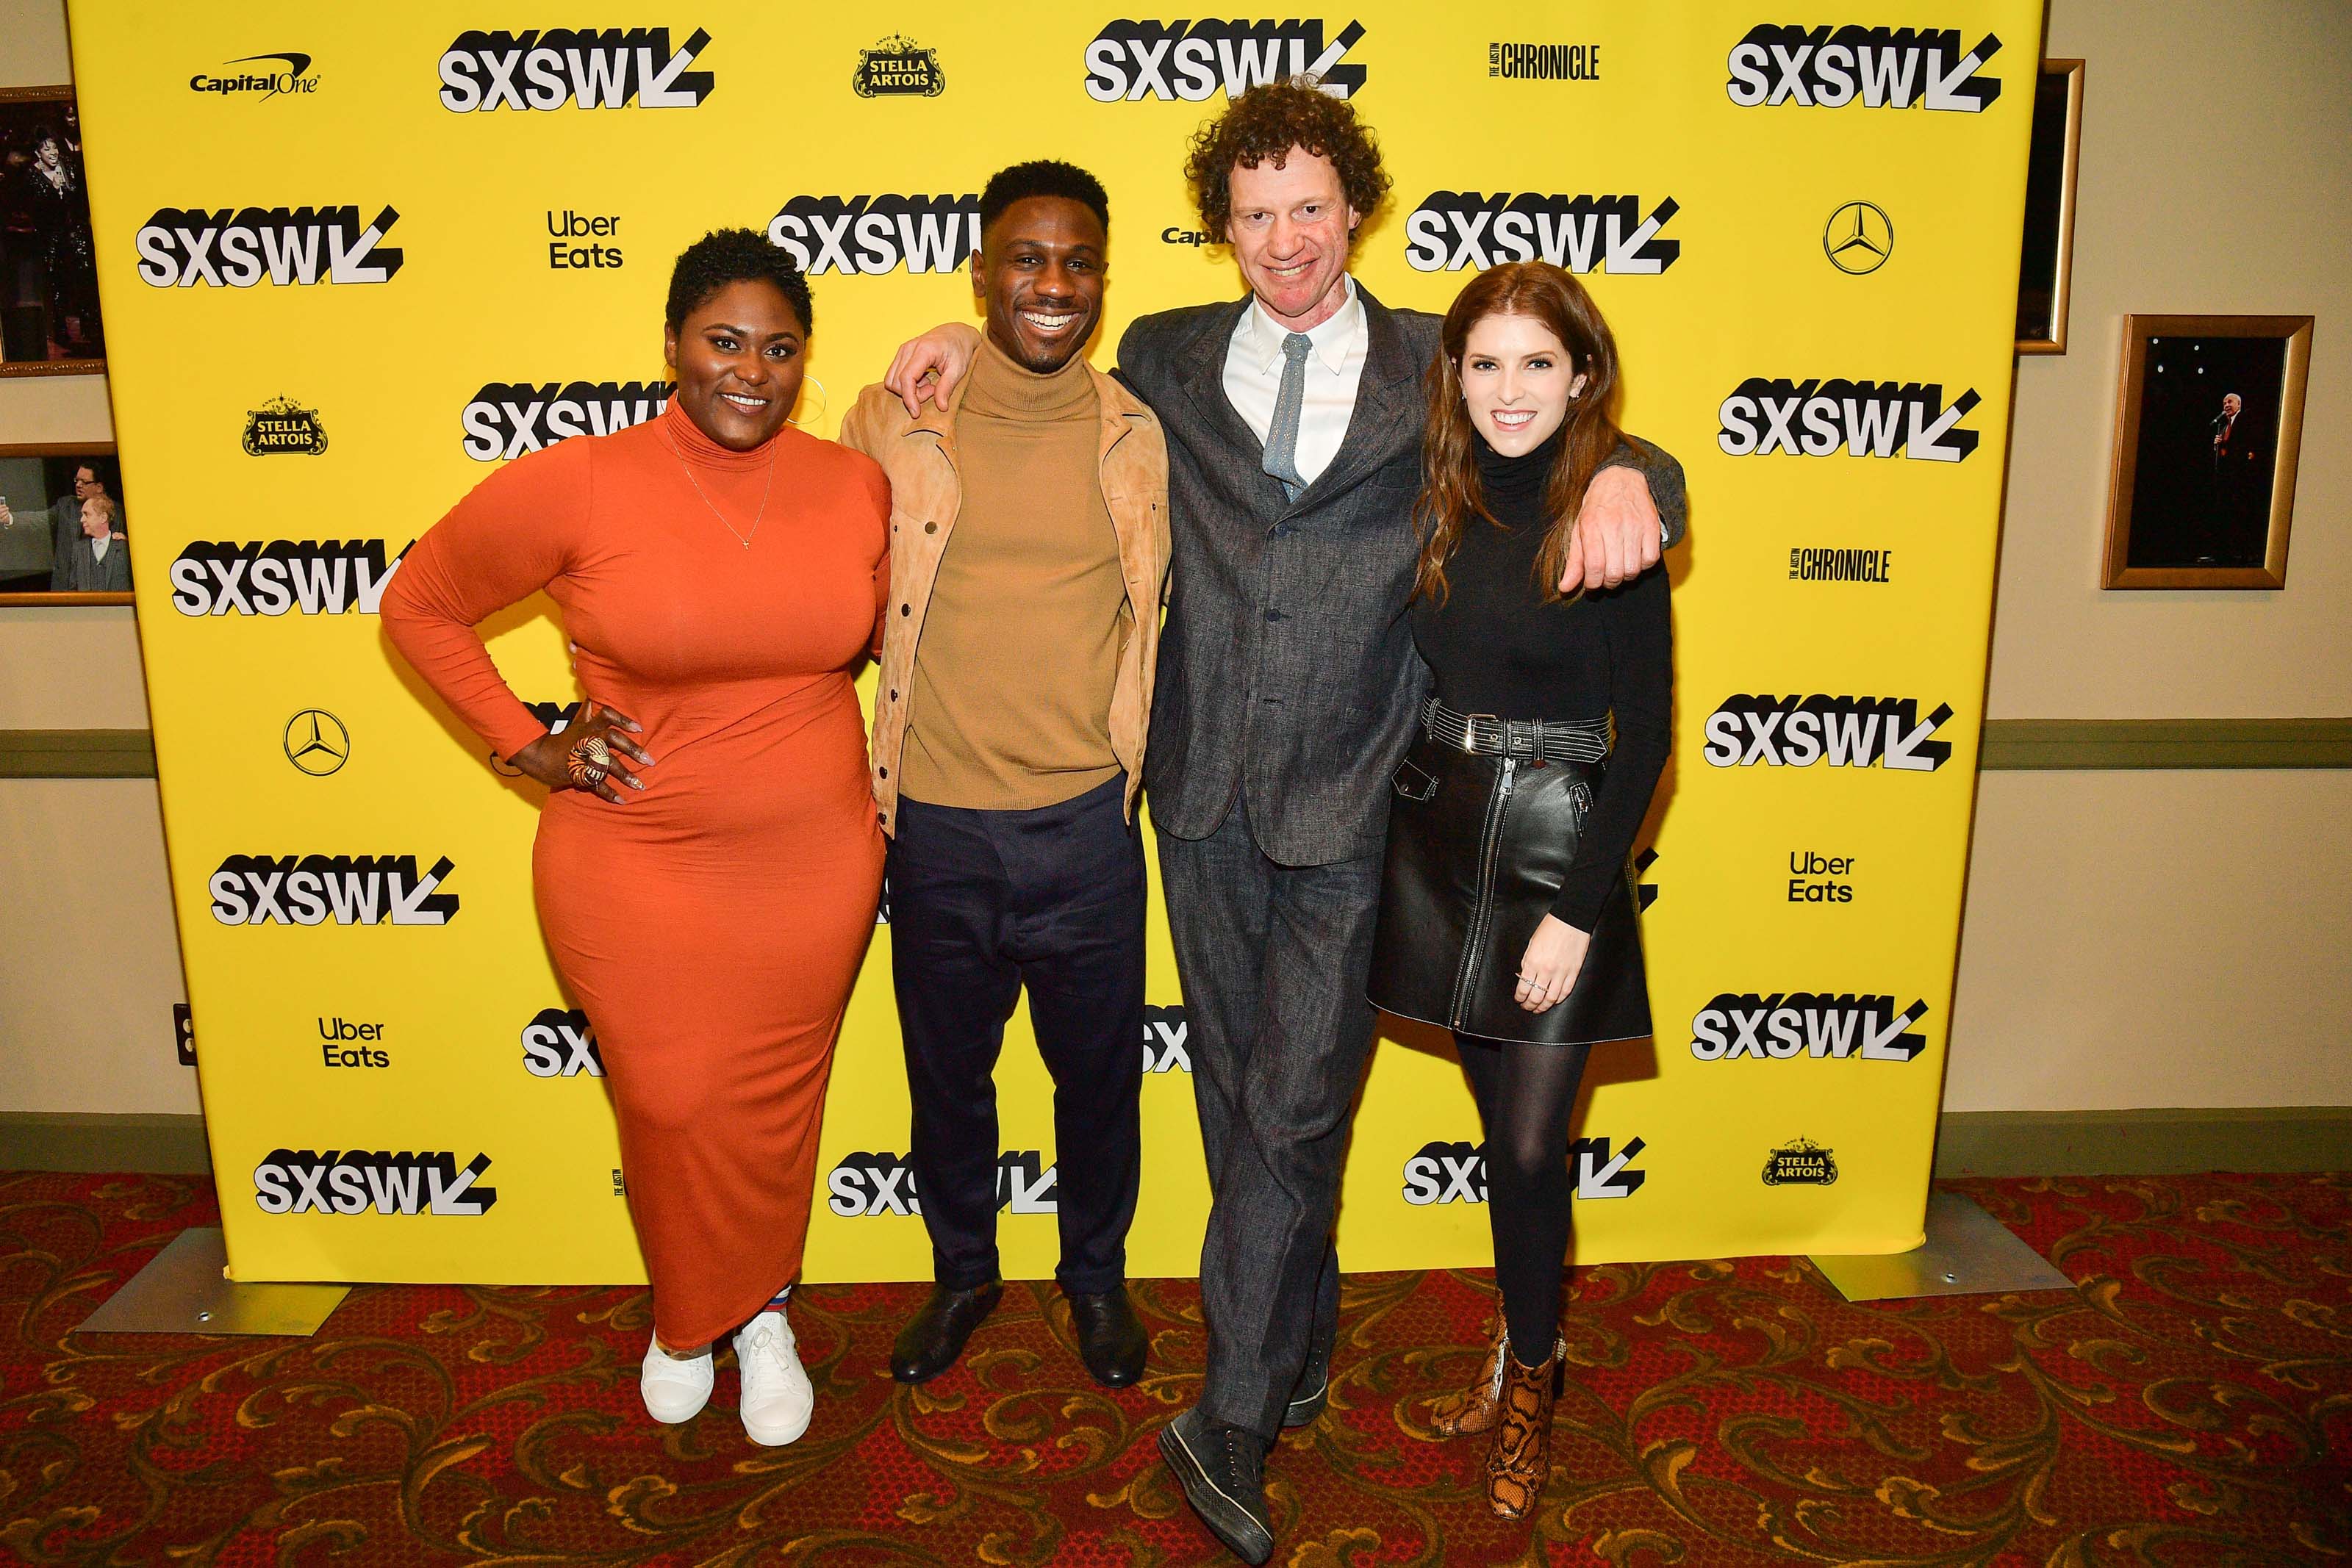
(1470, 722)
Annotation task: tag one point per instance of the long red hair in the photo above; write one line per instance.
(1450, 491)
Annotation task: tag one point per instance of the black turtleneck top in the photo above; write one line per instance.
(1497, 647)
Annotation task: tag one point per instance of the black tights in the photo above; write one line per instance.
(1526, 1094)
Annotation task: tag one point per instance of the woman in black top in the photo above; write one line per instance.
(1507, 907)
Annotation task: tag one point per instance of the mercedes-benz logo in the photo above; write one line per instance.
(317, 742)
(1858, 238)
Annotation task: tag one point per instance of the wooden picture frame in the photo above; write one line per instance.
(2202, 495)
(2046, 263)
(43, 452)
(33, 238)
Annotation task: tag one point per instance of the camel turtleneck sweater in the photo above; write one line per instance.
(1009, 705)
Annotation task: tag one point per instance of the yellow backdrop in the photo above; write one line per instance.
(353, 258)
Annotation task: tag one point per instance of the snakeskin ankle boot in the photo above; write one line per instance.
(1520, 1461)
(1472, 1411)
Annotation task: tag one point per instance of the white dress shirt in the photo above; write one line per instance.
(1334, 366)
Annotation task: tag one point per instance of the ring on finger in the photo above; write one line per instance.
(588, 761)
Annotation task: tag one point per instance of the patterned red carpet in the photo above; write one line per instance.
(2192, 1404)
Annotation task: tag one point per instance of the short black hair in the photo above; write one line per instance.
(733, 256)
(1041, 177)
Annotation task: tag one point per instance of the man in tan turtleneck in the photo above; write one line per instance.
(1028, 551)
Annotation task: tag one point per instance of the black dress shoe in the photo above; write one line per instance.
(934, 1336)
(1311, 1392)
(1223, 1471)
(1111, 1340)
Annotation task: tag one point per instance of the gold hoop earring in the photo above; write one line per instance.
(822, 401)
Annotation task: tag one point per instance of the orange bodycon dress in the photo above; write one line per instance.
(712, 925)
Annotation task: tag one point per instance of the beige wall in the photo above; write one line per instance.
(2164, 939)
(2132, 939)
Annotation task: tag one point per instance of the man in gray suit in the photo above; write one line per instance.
(1288, 692)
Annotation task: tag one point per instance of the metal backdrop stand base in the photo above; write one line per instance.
(183, 1290)
(1968, 1252)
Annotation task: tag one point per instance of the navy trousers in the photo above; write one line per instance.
(982, 905)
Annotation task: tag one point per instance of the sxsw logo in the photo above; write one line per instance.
(240, 248)
(1867, 418)
(1194, 61)
(280, 576)
(872, 234)
(559, 1042)
(346, 890)
(1452, 230)
(864, 1186)
(305, 1181)
(1456, 1172)
(1805, 1023)
(588, 69)
(1843, 732)
(1164, 1033)
(1881, 67)
(506, 419)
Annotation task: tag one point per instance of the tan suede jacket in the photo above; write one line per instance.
(919, 454)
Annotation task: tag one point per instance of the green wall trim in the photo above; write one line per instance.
(1967, 1144)
(155, 1144)
(2144, 1142)
(2100, 744)
(77, 754)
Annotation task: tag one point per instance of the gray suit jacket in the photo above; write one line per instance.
(1288, 672)
(75, 568)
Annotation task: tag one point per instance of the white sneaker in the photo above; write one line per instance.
(777, 1400)
(674, 1390)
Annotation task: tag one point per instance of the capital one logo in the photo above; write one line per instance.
(1863, 419)
(279, 577)
(873, 235)
(180, 248)
(581, 67)
(340, 889)
(1192, 62)
(865, 1185)
(1781, 1027)
(1164, 1033)
(1454, 230)
(1878, 67)
(1838, 732)
(559, 1042)
(1455, 1172)
(356, 1181)
(506, 419)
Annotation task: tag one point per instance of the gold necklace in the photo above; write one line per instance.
(758, 518)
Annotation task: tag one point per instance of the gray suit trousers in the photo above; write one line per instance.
(1273, 960)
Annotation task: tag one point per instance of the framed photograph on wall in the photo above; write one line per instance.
(63, 539)
(2049, 254)
(48, 270)
(2209, 427)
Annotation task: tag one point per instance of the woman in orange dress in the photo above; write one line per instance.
(709, 861)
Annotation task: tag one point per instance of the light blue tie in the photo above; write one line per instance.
(1282, 436)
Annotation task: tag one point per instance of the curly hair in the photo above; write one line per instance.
(1262, 125)
(734, 256)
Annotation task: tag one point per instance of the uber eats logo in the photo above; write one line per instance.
(355, 1181)
(1862, 419)
(1194, 61)
(1455, 1172)
(559, 1043)
(1878, 68)
(506, 419)
(315, 889)
(1806, 1023)
(1452, 230)
(1164, 1032)
(872, 234)
(581, 67)
(280, 576)
(243, 247)
(1841, 732)
(867, 1185)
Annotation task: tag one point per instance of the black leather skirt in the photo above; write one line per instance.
(1478, 848)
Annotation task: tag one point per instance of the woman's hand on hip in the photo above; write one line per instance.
(591, 753)
(1547, 970)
